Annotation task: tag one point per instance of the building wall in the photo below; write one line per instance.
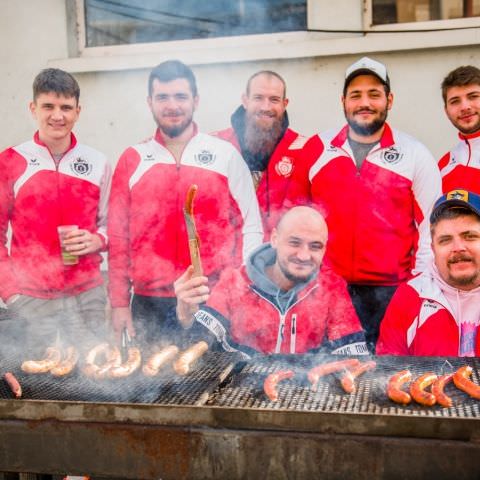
(114, 111)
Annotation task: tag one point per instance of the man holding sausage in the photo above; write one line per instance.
(460, 167)
(376, 186)
(148, 237)
(284, 300)
(438, 312)
(49, 182)
(275, 154)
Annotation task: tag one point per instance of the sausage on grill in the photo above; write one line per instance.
(52, 358)
(111, 357)
(394, 386)
(462, 381)
(186, 360)
(133, 362)
(348, 378)
(67, 364)
(159, 359)
(14, 384)
(418, 392)
(326, 368)
(272, 380)
(437, 389)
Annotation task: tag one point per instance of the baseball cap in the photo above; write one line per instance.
(456, 198)
(367, 66)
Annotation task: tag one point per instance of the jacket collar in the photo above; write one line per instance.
(468, 136)
(73, 141)
(161, 140)
(387, 139)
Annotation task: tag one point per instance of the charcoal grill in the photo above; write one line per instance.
(227, 428)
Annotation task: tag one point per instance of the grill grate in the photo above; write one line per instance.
(166, 388)
(245, 388)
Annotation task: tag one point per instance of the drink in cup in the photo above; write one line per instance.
(67, 257)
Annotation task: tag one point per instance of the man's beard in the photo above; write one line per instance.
(465, 280)
(260, 140)
(468, 131)
(365, 130)
(175, 130)
(295, 279)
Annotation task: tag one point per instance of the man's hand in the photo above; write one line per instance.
(190, 292)
(121, 318)
(82, 242)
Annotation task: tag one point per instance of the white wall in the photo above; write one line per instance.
(114, 114)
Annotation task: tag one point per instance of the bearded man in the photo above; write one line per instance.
(275, 154)
(376, 186)
(149, 242)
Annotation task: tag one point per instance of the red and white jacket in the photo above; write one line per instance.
(460, 168)
(148, 237)
(285, 182)
(378, 216)
(242, 317)
(36, 196)
(421, 321)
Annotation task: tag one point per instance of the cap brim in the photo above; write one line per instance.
(436, 212)
(363, 71)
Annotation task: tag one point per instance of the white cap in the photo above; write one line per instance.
(367, 66)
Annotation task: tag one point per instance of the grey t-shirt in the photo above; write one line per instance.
(360, 151)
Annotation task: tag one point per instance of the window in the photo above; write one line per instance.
(120, 22)
(405, 11)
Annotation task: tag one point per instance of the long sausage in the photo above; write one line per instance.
(462, 381)
(272, 380)
(52, 358)
(133, 362)
(437, 389)
(326, 368)
(112, 358)
(348, 378)
(14, 384)
(67, 364)
(185, 361)
(394, 386)
(418, 392)
(159, 360)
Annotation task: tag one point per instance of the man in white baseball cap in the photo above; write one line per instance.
(376, 186)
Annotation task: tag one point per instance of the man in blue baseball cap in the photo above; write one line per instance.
(438, 312)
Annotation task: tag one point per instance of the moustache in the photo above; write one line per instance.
(459, 258)
(303, 263)
(266, 113)
(364, 110)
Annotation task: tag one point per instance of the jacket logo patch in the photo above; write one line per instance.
(205, 157)
(81, 166)
(392, 156)
(284, 167)
(428, 308)
(34, 162)
(148, 158)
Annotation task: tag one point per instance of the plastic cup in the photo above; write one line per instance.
(67, 257)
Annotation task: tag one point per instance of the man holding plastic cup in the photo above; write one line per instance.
(54, 195)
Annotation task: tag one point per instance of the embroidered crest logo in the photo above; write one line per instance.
(81, 166)
(205, 157)
(284, 167)
(392, 156)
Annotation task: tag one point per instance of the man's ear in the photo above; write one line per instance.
(274, 238)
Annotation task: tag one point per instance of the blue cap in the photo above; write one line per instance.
(456, 198)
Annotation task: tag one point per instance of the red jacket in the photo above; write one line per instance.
(35, 197)
(285, 182)
(377, 216)
(460, 168)
(322, 316)
(148, 238)
(419, 321)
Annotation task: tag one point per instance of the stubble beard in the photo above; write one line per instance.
(365, 130)
(176, 130)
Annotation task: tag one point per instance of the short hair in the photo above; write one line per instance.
(460, 77)
(268, 73)
(169, 71)
(56, 81)
(452, 213)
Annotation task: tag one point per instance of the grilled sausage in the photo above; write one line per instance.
(159, 360)
(187, 358)
(14, 384)
(272, 380)
(462, 382)
(348, 378)
(67, 364)
(394, 386)
(437, 389)
(52, 358)
(418, 392)
(326, 368)
(133, 362)
(113, 359)
(111, 356)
